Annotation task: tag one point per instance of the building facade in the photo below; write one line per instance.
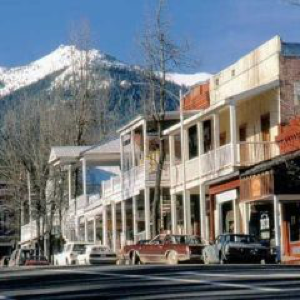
(222, 170)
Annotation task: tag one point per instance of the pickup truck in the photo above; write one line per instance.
(165, 248)
(69, 254)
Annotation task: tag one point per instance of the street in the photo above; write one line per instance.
(152, 282)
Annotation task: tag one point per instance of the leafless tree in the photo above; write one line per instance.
(161, 54)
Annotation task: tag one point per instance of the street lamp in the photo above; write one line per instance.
(126, 84)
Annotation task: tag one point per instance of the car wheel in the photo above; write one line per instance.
(222, 260)
(206, 258)
(262, 261)
(172, 258)
(134, 259)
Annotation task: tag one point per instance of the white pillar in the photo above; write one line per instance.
(200, 138)
(186, 144)
(104, 226)
(246, 217)
(276, 221)
(76, 224)
(132, 148)
(95, 230)
(134, 218)
(203, 211)
(173, 213)
(216, 131)
(172, 150)
(236, 216)
(123, 220)
(147, 213)
(233, 130)
(70, 183)
(84, 176)
(114, 226)
(216, 141)
(187, 212)
(85, 229)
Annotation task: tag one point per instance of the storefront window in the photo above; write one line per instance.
(261, 223)
(293, 210)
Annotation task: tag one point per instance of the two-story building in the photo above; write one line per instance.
(236, 128)
(212, 180)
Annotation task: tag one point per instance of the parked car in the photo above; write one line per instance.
(19, 257)
(96, 254)
(4, 261)
(235, 248)
(37, 261)
(165, 248)
(69, 254)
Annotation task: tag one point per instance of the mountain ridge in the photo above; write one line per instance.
(63, 58)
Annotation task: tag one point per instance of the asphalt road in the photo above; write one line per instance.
(152, 282)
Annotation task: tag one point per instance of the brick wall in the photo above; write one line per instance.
(289, 137)
(289, 74)
(198, 98)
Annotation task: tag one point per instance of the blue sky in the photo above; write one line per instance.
(220, 30)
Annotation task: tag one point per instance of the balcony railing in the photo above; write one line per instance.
(250, 153)
(214, 161)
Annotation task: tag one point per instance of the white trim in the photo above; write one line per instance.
(226, 196)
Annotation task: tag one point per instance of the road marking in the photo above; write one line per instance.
(278, 275)
(181, 280)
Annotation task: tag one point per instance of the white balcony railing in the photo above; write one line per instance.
(214, 161)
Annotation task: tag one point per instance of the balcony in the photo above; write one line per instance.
(212, 163)
(251, 153)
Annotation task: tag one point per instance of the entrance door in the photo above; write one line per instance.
(244, 151)
(227, 217)
(292, 228)
(265, 132)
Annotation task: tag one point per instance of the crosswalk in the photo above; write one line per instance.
(153, 282)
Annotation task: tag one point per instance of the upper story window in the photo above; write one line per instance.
(193, 142)
(232, 72)
(217, 81)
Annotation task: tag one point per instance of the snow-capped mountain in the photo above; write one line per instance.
(64, 60)
(188, 79)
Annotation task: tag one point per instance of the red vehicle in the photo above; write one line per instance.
(37, 261)
(166, 248)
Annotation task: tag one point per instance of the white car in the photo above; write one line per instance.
(96, 254)
(70, 253)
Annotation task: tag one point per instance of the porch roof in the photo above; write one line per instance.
(65, 154)
(169, 115)
(105, 153)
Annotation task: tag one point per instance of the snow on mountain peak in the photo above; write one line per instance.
(188, 79)
(67, 58)
(60, 59)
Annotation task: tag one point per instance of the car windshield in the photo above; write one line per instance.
(79, 248)
(187, 239)
(247, 239)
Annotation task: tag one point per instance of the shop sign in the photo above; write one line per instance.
(226, 196)
(265, 226)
